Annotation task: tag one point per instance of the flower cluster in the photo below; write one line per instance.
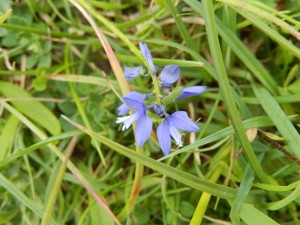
(136, 103)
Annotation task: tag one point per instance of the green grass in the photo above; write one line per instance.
(63, 158)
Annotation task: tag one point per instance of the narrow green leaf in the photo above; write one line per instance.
(244, 54)
(273, 34)
(97, 212)
(7, 135)
(172, 95)
(59, 154)
(36, 111)
(260, 11)
(179, 175)
(253, 122)
(162, 62)
(5, 16)
(41, 31)
(277, 188)
(11, 188)
(205, 198)
(279, 118)
(99, 81)
(241, 195)
(180, 25)
(253, 14)
(36, 146)
(252, 216)
(287, 200)
(54, 184)
(240, 50)
(226, 89)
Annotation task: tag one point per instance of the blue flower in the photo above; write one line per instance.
(191, 91)
(143, 129)
(169, 75)
(123, 109)
(169, 128)
(147, 55)
(133, 72)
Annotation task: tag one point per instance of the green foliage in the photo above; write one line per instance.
(63, 158)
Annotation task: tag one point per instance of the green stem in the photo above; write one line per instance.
(156, 89)
(40, 31)
(204, 199)
(139, 171)
(8, 72)
(55, 187)
(135, 190)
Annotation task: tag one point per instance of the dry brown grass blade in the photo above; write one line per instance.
(116, 67)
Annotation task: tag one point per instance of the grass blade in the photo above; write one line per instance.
(5, 16)
(273, 34)
(33, 206)
(226, 89)
(7, 136)
(241, 195)
(55, 185)
(35, 110)
(287, 200)
(181, 27)
(183, 177)
(240, 50)
(279, 118)
(62, 157)
(252, 216)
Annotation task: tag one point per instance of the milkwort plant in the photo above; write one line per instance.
(141, 104)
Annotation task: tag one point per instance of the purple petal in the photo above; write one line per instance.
(164, 138)
(169, 75)
(123, 109)
(134, 100)
(147, 55)
(181, 121)
(174, 132)
(132, 72)
(143, 130)
(191, 91)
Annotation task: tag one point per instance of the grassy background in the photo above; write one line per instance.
(66, 57)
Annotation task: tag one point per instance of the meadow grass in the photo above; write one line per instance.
(63, 158)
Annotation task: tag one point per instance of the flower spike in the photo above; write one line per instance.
(138, 105)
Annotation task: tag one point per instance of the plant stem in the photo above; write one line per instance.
(204, 199)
